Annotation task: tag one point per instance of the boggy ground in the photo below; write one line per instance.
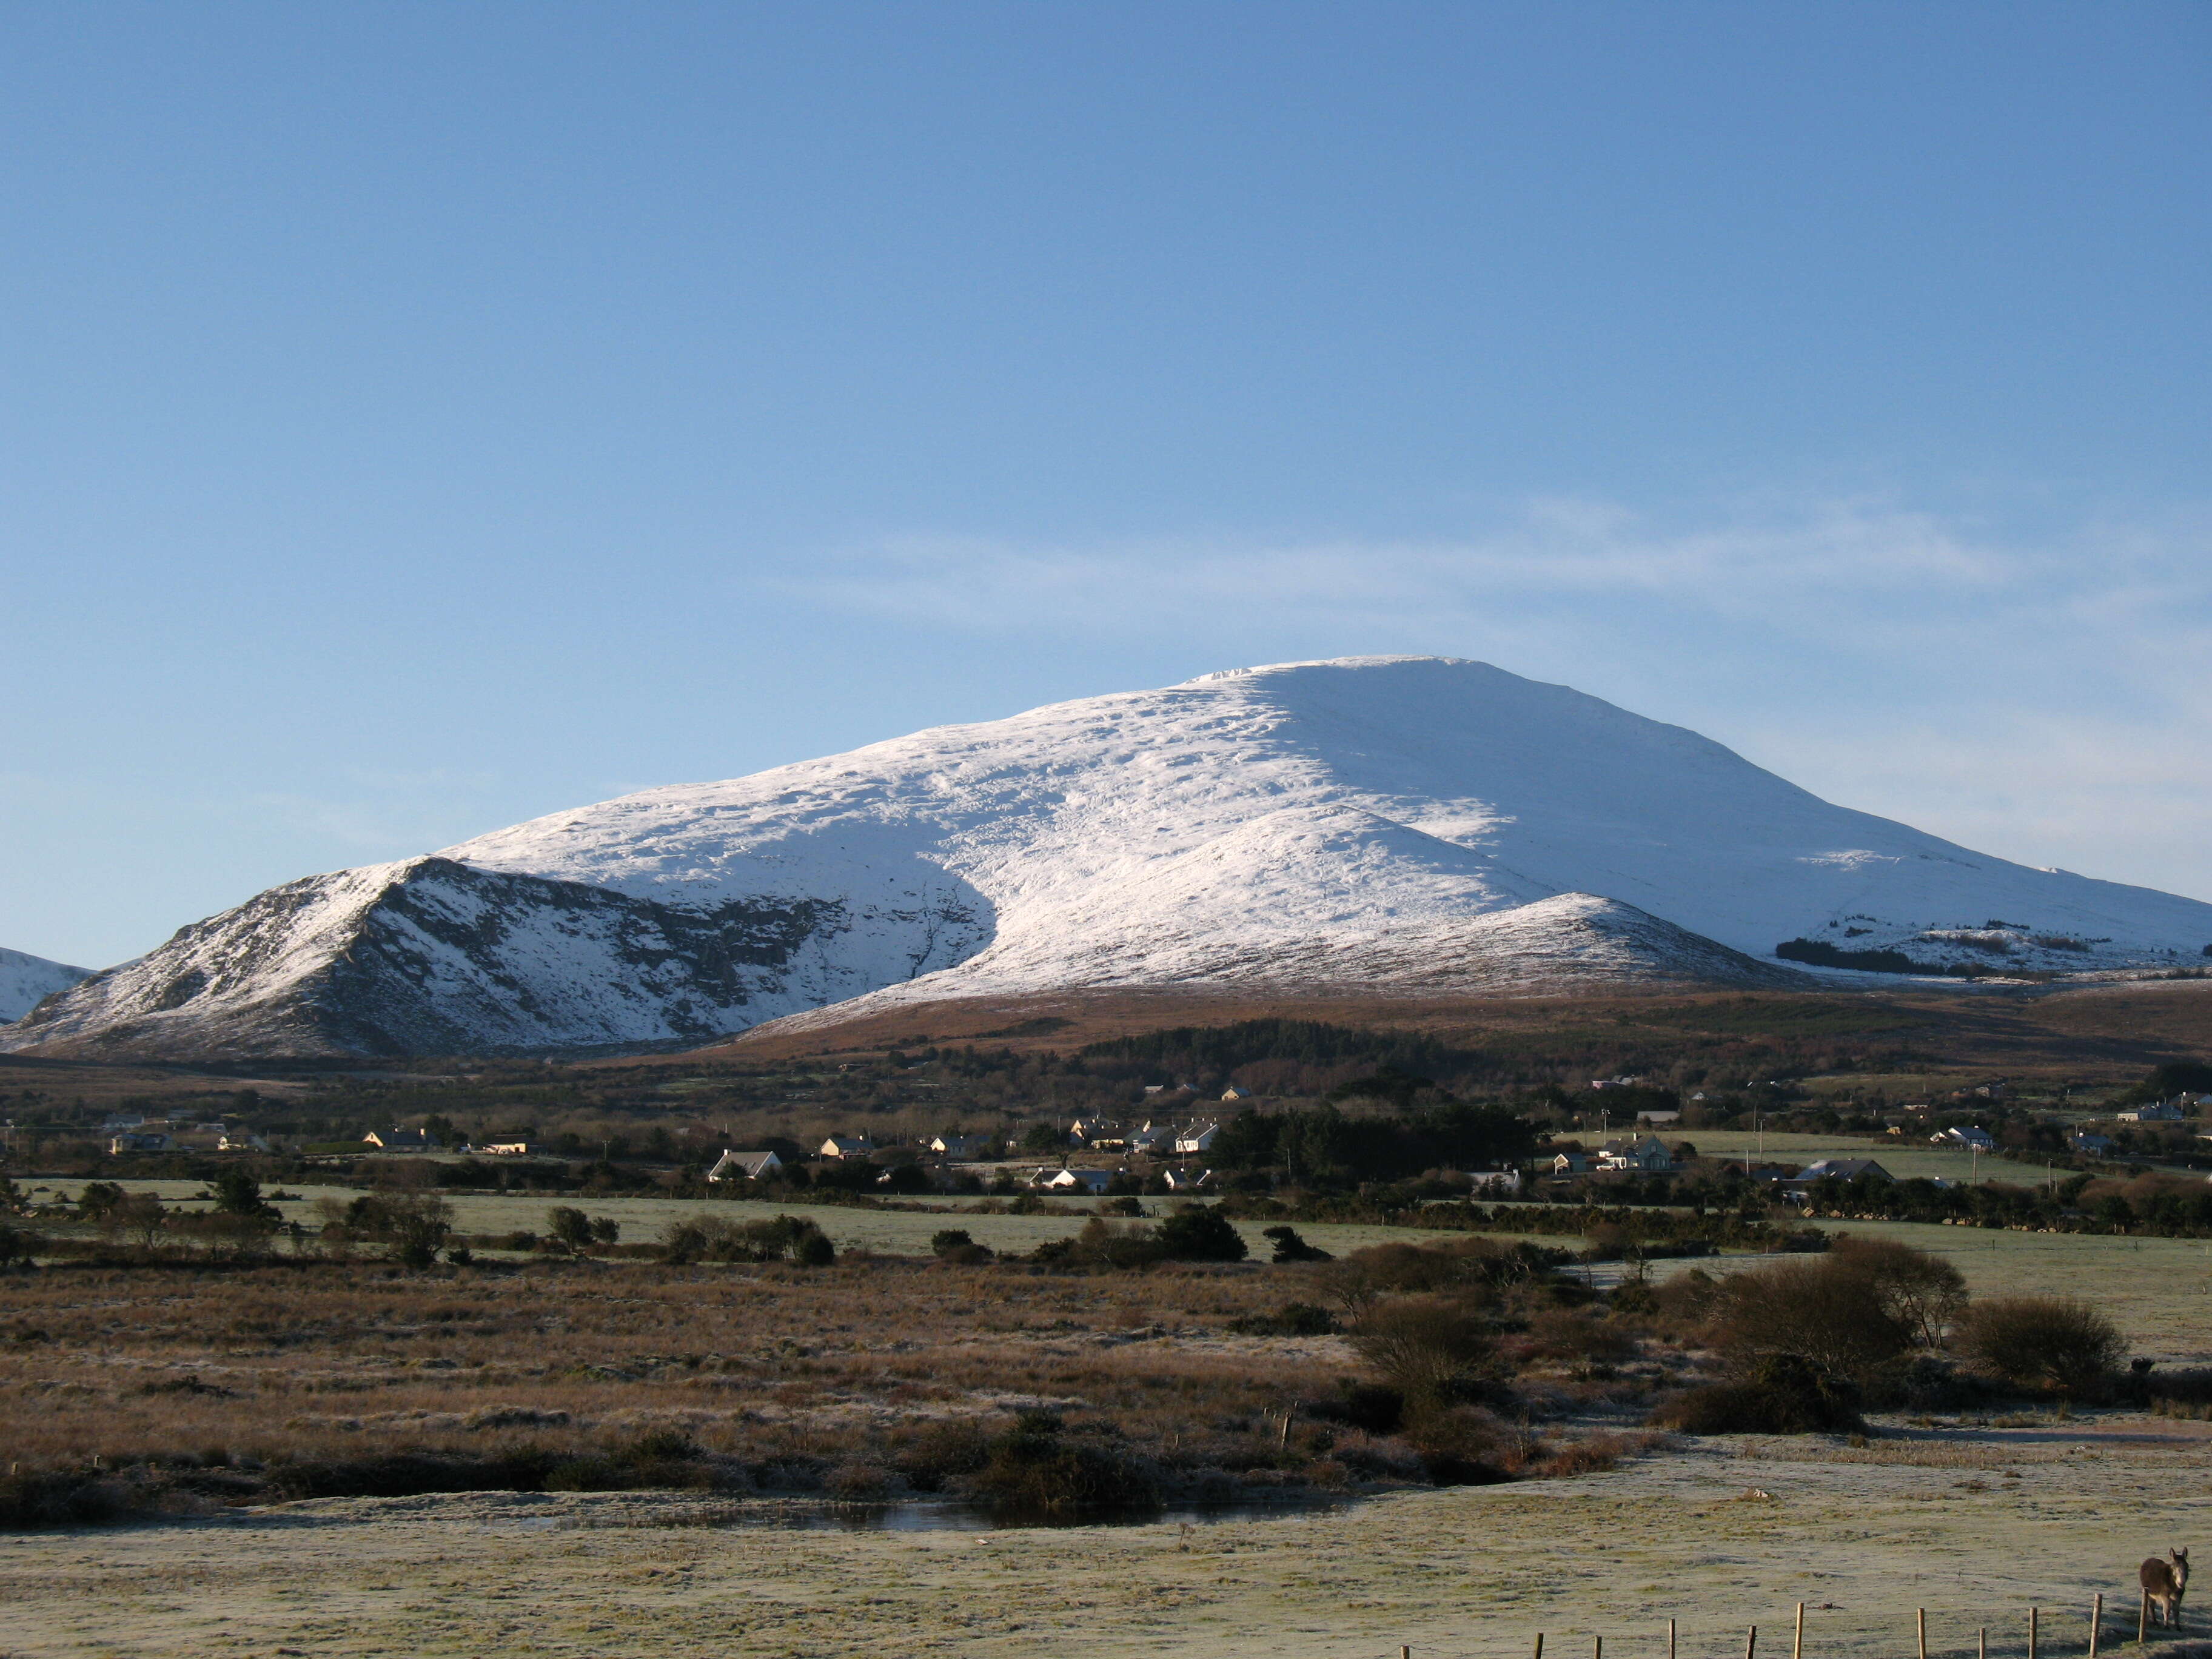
(1974, 1524)
(875, 1376)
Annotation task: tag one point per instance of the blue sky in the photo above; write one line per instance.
(420, 417)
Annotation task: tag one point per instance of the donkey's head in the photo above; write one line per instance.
(2180, 1557)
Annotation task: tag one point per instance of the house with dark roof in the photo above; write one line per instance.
(1844, 1169)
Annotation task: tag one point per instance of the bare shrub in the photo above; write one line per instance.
(1471, 1266)
(1423, 1344)
(1593, 1454)
(1580, 1339)
(2060, 1342)
(1461, 1446)
(1923, 1293)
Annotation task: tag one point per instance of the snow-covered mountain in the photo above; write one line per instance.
(1384, 822)
(24, 979)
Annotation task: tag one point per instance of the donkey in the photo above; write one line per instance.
(2163, 1581)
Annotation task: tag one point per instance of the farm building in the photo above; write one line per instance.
(1980, 1139)
(1649, 1155)
(2163, 1111)
(744, 1166)
(1844, 1169)
(1070, 1180)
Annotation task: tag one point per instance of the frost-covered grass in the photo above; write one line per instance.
(1469, 1573)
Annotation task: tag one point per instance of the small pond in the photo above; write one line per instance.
(945, 1515)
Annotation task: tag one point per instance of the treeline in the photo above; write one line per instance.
(1607, 1231)
(1321, 1146)
(1188, 1050)
(2156, 1210)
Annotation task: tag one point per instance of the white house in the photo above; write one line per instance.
(1571, 1164)
(2161, 1112)
(1069, 1181)
(400, 1140)
(507, 1148)
(1148, 1139)
(1084, 1130)
(1980, 1139)
(2096, 1146)
(1232, 1092)
(847, 1146)
(957, 1146)
(1199, 1137)
(240, 1140)
(1648, 1154)
(138, 1143)
(1844, 1169)
(1183, 1180)
(744, 1166)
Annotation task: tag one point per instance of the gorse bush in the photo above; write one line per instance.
(1472, 1268)
(1291, 1319)
(1782, 1393)
(784, 1238)
(1289, 1246)
(2058, 1342)
(1039, 1470)
(1824, 1310)
(1198, 1234)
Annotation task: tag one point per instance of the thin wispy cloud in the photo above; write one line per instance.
(2047, 698)
(1558, 548)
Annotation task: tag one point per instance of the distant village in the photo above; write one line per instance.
(1102, 1155)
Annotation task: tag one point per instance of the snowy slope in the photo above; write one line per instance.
(24, 979)
(1368, 820)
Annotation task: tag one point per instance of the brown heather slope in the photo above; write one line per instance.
(2096, 1036)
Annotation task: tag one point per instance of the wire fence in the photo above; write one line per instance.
(2028, 1632)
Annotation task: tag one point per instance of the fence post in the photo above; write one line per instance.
(1920, 1618)
(2033, 1613)
(1539, 1644)
(2096, 1622)
(1982, 1643)
(1597, 1647)
(1751, 1643)
(1670, 1639)
(1797, 1647)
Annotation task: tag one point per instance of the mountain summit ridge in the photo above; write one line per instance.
(1282, 823)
